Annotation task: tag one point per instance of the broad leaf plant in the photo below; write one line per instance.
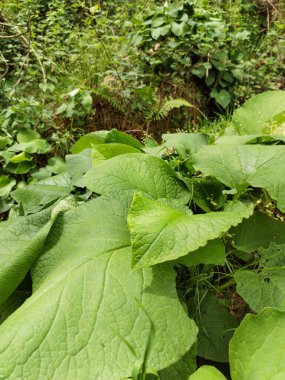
(92, 258)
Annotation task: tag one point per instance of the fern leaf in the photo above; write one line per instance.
(169, 105)
(161, 112)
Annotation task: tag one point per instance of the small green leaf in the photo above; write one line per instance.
(6, 185)
(155, 33)
(207, 373)
(5, 204)
(39, 146)
(208, 194)
(5, 141)
(21, 157)
(164, 30)
(265, 288)
(178, 29)
(21, 168)
(155, 22)
(223, 97)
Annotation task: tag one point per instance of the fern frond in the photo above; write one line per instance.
(161, 112)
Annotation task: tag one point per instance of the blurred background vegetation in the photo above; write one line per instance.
(68, 67)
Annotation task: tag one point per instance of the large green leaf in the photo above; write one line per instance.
(88, 140)
(12, 303)
(212, 253)
(136, 172)
(255, 115)
(183, 368)
(185, 144)
(21, 242)
(257, 349)
(115, 136)
(160, 233)
(216, 326)
(261, 290)
(62, 180)
(243, 165)
(78, 165)
(258, 231)
(267, 287)
(56, 165)
(248, 139)
(102, 152)
(91, 315)
(27, 135)
(34, 197)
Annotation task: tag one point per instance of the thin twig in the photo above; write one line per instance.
(6, 24)
(6, 65)
(273, 6)
(13, 35)
(28, 45)
(111, 61)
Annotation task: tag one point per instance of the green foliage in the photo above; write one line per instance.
(158, 113)
(262, 114)
(207, 372)
(260, 357)
(265, 286)
(213, 46)
(160, 233)
(216, 327)
(243, 165)
(64, 62)
(115, 220)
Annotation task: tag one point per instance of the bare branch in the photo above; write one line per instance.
(13, 35)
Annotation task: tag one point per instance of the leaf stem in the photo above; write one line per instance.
(226, 285)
